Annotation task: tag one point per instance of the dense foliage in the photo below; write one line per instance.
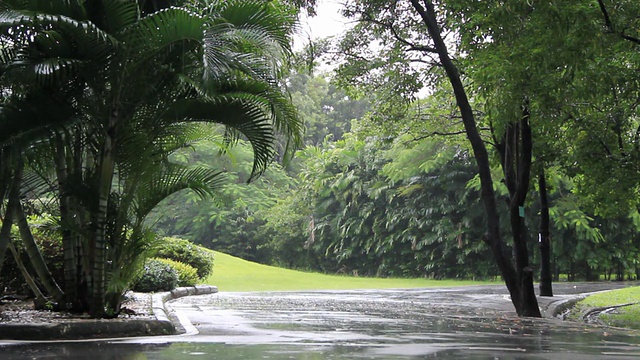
(187, 274)
(184, 251)
(404, 204)
(156, 276)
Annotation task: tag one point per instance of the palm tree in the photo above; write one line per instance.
(127, 81)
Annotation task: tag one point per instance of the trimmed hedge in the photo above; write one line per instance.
(186, 252)
(156, 276)
(187, 274)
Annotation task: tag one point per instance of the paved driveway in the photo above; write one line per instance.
(475, 322)
(465, 322)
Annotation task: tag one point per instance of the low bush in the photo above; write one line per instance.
(156, 276)
(187, 274)
(186, 252)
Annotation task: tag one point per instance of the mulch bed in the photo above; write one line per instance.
(137, 306)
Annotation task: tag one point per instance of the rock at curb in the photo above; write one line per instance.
(203, 289)
(188, 291)
(179, 292)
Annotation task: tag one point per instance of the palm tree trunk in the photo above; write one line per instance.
(40, 300)
(98, 243)
(68, 220)
(7, 223)
(5, 231)
(35, 256)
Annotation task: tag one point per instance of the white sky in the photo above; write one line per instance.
(327, 23)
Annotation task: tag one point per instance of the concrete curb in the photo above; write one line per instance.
(159, 309)
(557, 309)
(104, 329)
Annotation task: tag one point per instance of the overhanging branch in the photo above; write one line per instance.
(411, 46)
(610, 27)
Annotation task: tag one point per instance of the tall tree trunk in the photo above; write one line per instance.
(7, 223)
(516, 156)
(546, 288)
(5, 232)
(99, 241)
(69, 218)
(523, 300)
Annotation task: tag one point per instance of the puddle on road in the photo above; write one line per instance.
(446, 338)
(311, 351)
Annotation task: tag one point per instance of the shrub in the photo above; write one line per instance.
(187, 274)
(186, 252)
(156, 276)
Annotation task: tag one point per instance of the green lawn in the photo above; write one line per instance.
(234, 274)
(627, 316)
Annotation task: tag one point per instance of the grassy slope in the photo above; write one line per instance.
(628, 316)
(234, 274)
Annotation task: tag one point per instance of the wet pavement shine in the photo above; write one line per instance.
(473, 322)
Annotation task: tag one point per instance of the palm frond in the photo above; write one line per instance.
(252, 37)
(112, 16)
(244, 115)
(38, 21)
(21, 119)
(51, 50)
(273, 19)
(204, 182)
(70, 8)
(165, 28)
(276, 103)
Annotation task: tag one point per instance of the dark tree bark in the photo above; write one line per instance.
(515, 148)
(518, 279)
(7, 222)
(546, 288)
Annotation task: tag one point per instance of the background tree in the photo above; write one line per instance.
(415, 32)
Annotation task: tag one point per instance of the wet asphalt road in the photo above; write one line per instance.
(466, 322)
(450, 323)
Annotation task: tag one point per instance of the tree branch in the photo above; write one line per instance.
(411, 46)
(605, 13)
(609, 24)
(439, 133)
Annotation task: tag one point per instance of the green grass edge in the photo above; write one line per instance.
(623, 317)
(233, 274)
